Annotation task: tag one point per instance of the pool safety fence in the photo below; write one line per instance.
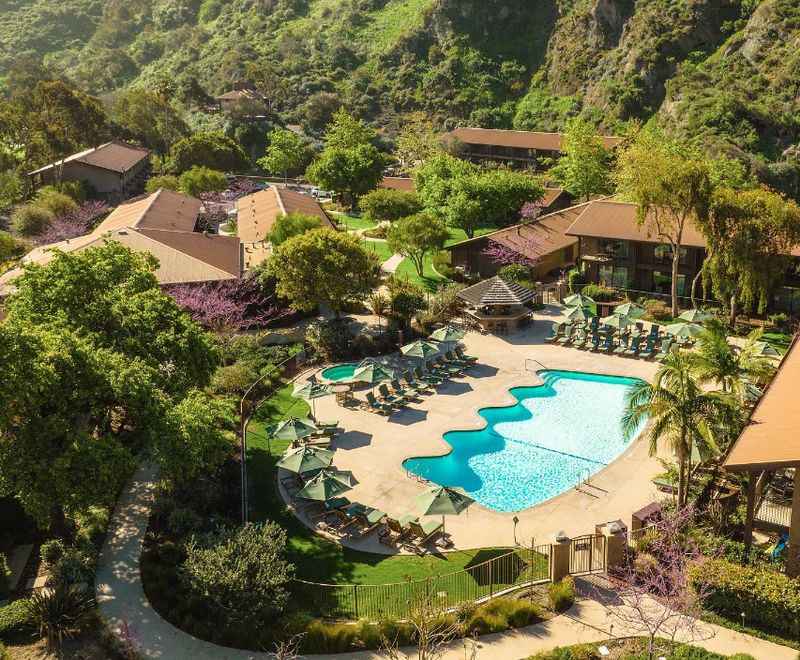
(482, 580)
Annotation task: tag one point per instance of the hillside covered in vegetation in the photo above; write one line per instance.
(723, 72)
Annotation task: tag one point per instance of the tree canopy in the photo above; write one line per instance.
(213, 150)
(323, 267)
(285, 153)
(417, 235)
(150, 118)
(584, 168)
(349, 172)
(198, 180)
(387, 205)
(292, 224)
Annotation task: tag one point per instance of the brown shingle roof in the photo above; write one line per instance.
(114, 156)
(397, 183)
(538, 238)
(618, 220)
(496, 291)
(256, 213)
(550, 196)
(222, 252)
(518, 139)
(163, 209)
(771, 438)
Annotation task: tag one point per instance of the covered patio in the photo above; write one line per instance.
(771, 442)
(498, 306)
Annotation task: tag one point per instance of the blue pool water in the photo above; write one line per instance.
(340, 371)
(556, 434)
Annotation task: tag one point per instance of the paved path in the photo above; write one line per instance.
(392, 263)
(121, 598)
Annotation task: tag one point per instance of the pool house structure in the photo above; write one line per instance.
(769, 444)
(498, 306)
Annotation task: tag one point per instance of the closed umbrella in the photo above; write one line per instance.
(578, 300)
(294, 429)
(629, 309)
(420, 349)
(306, 459)
(683, 330)
(695, 316)
(310, 392)
(448, 333)
(579, 313)
(616, 321)
(443, 501)
(323, 487)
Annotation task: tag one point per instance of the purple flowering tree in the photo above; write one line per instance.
(517, 248)
(228, 305)
(72, 225)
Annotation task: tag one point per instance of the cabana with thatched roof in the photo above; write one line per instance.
(771, 441)
(497, 305)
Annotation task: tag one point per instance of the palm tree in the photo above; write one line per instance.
(379, 305)
(731, 367)
(680, 412)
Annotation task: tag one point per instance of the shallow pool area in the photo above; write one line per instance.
(339, 372)
(557, 434)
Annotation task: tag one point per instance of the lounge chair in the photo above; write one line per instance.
(647, 352)
(595, 344)
(414, 384)
(328, 425)
(623, 346)
(388, 397)
(453, 359)
(666, 345)
(368, 520)
(427, 377)
(448, 368)
(422, 532)
(555, 333)
(408, 392)
(330, 506)
(464, 356)
(608, 343)
(398, 529)
(567, 336)
(633, 351)
(594, 324)
(376, 406)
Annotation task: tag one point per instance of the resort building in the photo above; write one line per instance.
(243, 99)
(770, 443)
(113, 170)
(544, 240)
(162, 224)
(406, 184)
(520, 147)
(256, 214)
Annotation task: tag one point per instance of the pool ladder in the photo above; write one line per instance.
(584, 480)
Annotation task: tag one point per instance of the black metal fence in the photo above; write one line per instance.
(502, 574)
(587, 554)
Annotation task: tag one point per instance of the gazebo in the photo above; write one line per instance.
(771, 441)
(497, 305)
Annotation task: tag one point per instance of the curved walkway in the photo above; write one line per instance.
(121, 599)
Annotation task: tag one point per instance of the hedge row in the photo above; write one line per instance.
(767, 598)
(14, 620)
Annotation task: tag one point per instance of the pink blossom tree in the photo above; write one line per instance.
(656, 597)
(518, 247)
(70, 225)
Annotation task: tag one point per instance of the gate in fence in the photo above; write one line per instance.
(479, 580)
(587, 554)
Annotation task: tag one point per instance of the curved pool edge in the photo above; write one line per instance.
(481, 423)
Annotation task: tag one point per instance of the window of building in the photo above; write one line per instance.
(616, 249)
(663, 254)
(662, 282)
(616, 276)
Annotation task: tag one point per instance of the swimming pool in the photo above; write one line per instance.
(339, 371)
(557, 434)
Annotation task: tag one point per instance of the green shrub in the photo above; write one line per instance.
(198, 180)
(515, 273)
(14, 620)
(183, 521)
(91, 526)
(575, 279)
(241, 572)
(31, 219)
(58, 203)
(779, 321)
(5, 577)
(51, 551)
(321, 637)
(657, 310)
(484, 622)
(767, 598)
(10, 247)
(561, 595)
(4, 652)
(292, 224)
(165, 181)
(387, 205)
(443, 264)
(74, 567)
(381, 231)
(599, 292)
(59, 613)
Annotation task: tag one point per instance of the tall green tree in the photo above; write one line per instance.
(290, 225)
(285, 152)
(349, 172)
(323, 267)
(680, 413)
(416, 236)
(750, 235)
(347, 132)
(671, 186)
(584, 168)
(417, 142)
(149, 117)
(213, 150)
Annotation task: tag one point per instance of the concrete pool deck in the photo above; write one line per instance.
(374, 447)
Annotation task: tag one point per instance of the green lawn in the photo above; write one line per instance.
(458, 235)
(315, 558)
(378, 247)
(430, 280)
(351, 222)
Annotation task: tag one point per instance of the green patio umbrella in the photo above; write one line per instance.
(306, 459)
(683, 329)
(442, 501)
(578, 300)
(294, 429)
(629, 309)
(695, 316)
(372, 373)
(310, 392)
(764, 349)
(420, 349)
(579, 313)
(448, 333)
(323, 487)
(616, 321)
